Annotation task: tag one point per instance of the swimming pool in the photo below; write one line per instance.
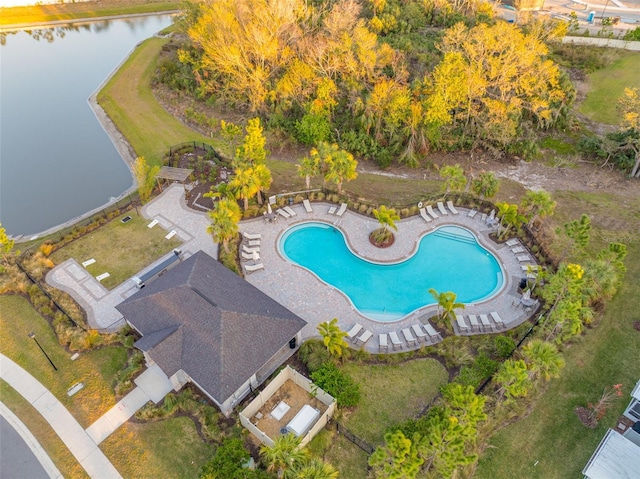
(447, 259)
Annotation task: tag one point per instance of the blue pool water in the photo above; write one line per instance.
(447, 259)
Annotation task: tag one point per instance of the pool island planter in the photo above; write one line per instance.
(310, 428)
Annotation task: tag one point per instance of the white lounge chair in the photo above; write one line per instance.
(497, 319)
(424, 215)
(409, 338)
(307, 206)
(512, 242)
(523, 257)
(252, 236)
(289, 210)
(250, 250)
(473, 321)
(253, 242)
(443, 210)
(364, 337)
(472, 213)
(431, 212)
(451, 207)
(354, 331)
(483, 218)
(250, 256)
(395, 341)
(250, 268)
(343, 208)
(462, 326)
(431, 331)
(518, 249)
(332, 210)
(383, 346)
(420, 334)
(525, 267)
(283, 213)
(486, 325)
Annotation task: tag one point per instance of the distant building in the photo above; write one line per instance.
(618, 454)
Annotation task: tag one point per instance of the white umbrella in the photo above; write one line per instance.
(526, 294)
(269, 208)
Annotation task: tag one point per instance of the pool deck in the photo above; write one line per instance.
(315, 301)
(294, 287)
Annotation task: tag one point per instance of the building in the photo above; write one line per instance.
(618, 454)
(202, 323)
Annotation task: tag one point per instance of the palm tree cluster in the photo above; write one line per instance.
(290, 461)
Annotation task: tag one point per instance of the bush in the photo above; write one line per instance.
(341, 386)
(504, 346)
(482, 368)
(313, 353)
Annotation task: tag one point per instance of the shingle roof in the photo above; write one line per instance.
(206, 320)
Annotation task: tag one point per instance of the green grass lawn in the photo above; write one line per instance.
(95, 369)
(129, 102)
(605, 355)
(121, 249)
(391, 393)
(78, 10)
(168, 448)
(607, 85)
(46, 436)
(345, 456)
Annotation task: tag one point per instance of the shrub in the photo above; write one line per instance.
(482, 368)
(314, 354)
(504, 346)
(363, 208)
(335, 382)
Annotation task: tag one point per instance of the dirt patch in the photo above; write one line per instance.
(295, 397)
(585, 417)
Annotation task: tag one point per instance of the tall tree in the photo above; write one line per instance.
(263, 179)
(454, 178)
(513, 379)
(145, 176)
(629, 108)
(308, 168)
(537, 204)
(284, 454)
(252, 152)
(578, 233)
(245, 184)
(396, 459)
(446, 306)
(341, 166)
(510, 218)
(333, 337)
(543, 359)
(224, 217)
(485, 185)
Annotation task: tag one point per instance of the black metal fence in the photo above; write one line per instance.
(361, 443)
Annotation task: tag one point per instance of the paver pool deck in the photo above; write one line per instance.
(315, 301)
(293, 286)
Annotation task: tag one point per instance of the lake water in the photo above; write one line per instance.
(56, 161)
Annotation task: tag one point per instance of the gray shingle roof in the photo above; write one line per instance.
(206, 320)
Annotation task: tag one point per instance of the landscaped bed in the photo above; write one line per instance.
(120, 249)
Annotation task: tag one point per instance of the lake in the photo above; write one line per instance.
(56, 161)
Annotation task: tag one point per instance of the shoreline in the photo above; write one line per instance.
(17, 27)
(120, 143)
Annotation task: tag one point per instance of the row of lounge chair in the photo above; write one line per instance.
(429, 214)
(251, 252)
(480, 323)
(334, 210)
(416, 333)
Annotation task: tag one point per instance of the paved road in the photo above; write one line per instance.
(17, 459)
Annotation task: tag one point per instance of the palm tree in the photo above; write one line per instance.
(263, 178)
(387, 218)
(513, 379)
(447, 303)
(601, 280)
(454, 179)
(308, 167)
(245, 185)
(223, 190)
(284, 454)
(312, 469)
(333, 337)
(485, 185)
(537, 204)
(509, 218)
(224, 226)
(543, 359)
(340, 167)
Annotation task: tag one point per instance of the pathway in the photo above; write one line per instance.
(83, 448)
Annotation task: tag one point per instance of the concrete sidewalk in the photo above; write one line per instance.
(83, 448)
(152, 385)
